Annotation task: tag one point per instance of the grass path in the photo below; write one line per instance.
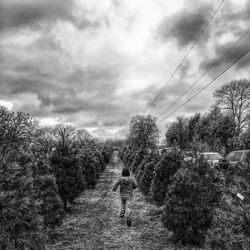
(94, 222)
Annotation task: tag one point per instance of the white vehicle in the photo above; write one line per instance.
(237, 156)
(211, 157)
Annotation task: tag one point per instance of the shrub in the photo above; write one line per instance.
(153, 157)
(107, 152)
(190, 202)
(90, 174)
(19, 217)
(126, 155)
(105, 156)
(88, 167)
(48, 201)
(141, 167)
(231, 223)
(164, 170)
(98, 166)
(130, 160)
(69, 177)
(145, 179)
(122, 152)
(137, 161)
(100, 159)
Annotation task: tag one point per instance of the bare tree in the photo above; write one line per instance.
(45, 139)
(143, 132)
(65, 136)
(234, 98)
(16, 129)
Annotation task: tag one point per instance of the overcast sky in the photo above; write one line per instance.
(97, 63)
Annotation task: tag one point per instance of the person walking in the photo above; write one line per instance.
(127, 185)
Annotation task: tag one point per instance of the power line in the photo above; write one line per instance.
(183, 59)
(213, 65)
(206, 86)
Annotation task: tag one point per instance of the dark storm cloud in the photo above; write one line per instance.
(233, 23)
(12, 84)
(233, 20)
(231, 15)
(224, 57)
(19, 13)
(166, 92)
(147, 94)
(57, 88)
(68, 102)
(185, 25)
(59, 97)
(16, 14)
(98, 77)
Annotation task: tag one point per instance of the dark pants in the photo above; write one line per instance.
(125, 206)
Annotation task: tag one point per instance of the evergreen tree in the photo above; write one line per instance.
(231, 223)
(19, 217)
(130, 159)
(146, 159)
(190, 202)
(122, 152)
(97, 164)
(147, 177)
(107, 152)
(137, 161)
(105, 156)
(69, 177)
(127, 154)
(88, 167)
(164, 170)
(100, 159)
(47, 198)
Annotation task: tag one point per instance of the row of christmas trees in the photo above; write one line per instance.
(42, 172)
(199, 204)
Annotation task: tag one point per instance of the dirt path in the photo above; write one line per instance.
(95, 224)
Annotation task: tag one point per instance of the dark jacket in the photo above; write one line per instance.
(127, 184)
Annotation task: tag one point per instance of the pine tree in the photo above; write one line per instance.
(231, 222)
(47, 198)
(146, 159)
(190, 201)
(122, 152)
(90, 174)
(164, 170)
(130, 159)
(88, 167)
(127, 152)
(98, 167)
(100, 159)
(107, 152)
(69, 177)
(137, 161)
(20, 220)
(147, 177)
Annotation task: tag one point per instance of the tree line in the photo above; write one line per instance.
(201, 205)
(42, 171)
(225, 127)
